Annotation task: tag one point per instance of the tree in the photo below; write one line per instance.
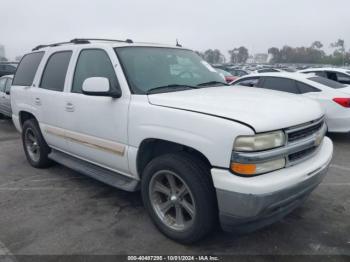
(239, 55)
(213, 56)
(275, 53)
(339, 51)
(316, 45)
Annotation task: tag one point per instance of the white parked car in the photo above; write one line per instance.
(5, 98)
(159, 118)
(336, 74)
(333, 96)
(274, 70)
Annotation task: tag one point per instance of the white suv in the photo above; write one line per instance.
(159, 118)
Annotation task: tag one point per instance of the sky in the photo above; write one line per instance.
(198, 24)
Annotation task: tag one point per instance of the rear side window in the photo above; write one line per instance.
(93, 63)
(27, 69)
(280, 84)
(268, 70)
(304, 88)
(252, 82)
(343, 78)
(327, 82)
(55, 71)
(321, 73)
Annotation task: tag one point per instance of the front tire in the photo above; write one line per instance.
(34, 145)
(179, 196)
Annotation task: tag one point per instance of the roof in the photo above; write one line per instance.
(107, 42)
(295, 76)
(336, 69)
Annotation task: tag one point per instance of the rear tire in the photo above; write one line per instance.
(34, 145)
(187, 211)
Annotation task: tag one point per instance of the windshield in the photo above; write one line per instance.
(327, 82)
(148, 68)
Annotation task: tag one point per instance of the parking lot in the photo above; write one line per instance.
(59, 211)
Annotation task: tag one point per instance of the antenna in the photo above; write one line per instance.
(177, 43)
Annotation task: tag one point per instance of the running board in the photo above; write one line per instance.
(99, 173)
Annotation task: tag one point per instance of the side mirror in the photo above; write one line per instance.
(99, 86)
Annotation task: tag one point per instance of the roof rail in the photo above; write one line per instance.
(74, 41)
(129, 41)
(82, 41)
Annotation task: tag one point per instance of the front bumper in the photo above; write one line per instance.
(246, 204)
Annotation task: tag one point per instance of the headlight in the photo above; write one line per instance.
(259, 142)
(256, 169)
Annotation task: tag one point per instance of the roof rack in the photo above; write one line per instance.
(129, 41)
(81, 41)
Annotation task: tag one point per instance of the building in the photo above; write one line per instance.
(261, 58)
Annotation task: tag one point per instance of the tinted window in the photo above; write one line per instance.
(252, 82)
(55, 71)
(10, 68)
(304, 88)
(327, 82)
(332, 76)
(93, 63)
(27, 68)
(2, 84)
(269, 70)
(280, 84)
(321, 73)
(343, 78)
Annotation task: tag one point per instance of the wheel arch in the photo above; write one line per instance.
(24, 116)
(151, 148)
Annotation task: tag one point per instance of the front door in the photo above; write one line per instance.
(98, 125)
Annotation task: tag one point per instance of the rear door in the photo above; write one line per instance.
(49, 98)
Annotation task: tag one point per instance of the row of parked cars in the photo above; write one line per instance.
(329, 86)
(159, 119)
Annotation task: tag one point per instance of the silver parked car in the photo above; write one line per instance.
(5, 99)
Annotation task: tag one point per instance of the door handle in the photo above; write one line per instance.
(37, 101)
(69, 107)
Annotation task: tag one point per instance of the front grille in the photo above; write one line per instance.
(303, 133)
(301, 154)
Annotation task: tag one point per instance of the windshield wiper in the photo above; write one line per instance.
(170, 87)
(210, 83)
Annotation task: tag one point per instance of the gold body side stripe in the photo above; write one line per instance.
(87, 140)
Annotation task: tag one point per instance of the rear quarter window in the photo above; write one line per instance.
(327, 82)
(27, 69)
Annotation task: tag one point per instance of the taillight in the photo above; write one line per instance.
(345, 102)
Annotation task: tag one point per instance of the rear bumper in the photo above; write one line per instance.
(247, 204)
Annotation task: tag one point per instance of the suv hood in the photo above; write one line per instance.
(264, 110)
